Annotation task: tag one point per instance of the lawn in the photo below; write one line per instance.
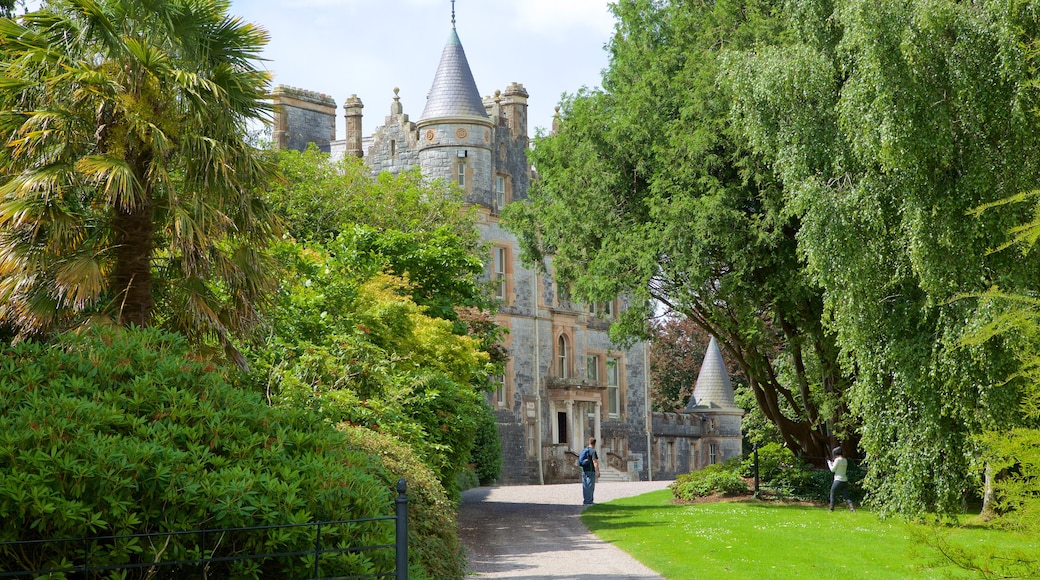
(763, 540)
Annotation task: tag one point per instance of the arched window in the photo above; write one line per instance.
(561, 357)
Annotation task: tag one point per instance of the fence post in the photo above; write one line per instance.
(317, 549)
(402, 530)
(756, 470)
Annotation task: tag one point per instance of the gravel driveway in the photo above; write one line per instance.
(533, 532)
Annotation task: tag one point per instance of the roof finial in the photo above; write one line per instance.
(453, 13)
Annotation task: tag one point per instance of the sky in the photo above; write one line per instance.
(368, 47)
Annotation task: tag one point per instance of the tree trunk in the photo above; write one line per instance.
(989, 495)
(132, 276)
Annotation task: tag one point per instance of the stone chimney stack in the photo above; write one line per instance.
(514, 107)
(352, 112)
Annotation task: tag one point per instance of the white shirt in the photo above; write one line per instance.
(839, 466)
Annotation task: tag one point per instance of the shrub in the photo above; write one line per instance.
(487, 450)
(467, 479)
(720, 478)
(120, 431)
(792, 478)
(434, 550)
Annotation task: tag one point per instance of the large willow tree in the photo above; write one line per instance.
(125, 179)
(888, 122)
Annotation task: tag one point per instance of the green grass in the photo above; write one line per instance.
(763, 540)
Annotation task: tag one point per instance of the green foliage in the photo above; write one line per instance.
(1015, 457)
(888, 123)
(790, 477)
(487, 449)
(434, 550)
(400, 224)
(381, 320)
(351, 344)
(319, 198)
(124, 431)
(717, 479)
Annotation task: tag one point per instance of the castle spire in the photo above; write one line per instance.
(714, 390)
(454, 92)
(453, 13)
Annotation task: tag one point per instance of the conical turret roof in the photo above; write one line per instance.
(714, 390)
(454, 92)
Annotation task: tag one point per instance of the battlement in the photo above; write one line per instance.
(283, 92)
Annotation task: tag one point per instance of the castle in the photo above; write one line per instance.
(564, 381)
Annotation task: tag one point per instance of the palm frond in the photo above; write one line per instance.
(79, 282)
(115, 177)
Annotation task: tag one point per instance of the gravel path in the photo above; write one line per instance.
(533, 532)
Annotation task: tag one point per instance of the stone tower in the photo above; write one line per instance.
(455, 130)
(712, 404)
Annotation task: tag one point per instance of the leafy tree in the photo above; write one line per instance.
(676, 354)
(420, 229)
(647, 189)
(888, 122)
(487, 448)
(125, 179)
(349, 342)
(381, 319)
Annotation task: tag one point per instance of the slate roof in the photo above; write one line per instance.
(454, 92)
(714, 390)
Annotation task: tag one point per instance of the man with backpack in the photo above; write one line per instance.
(588, 461)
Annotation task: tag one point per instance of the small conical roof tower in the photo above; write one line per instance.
(454, 93)
(714, 390)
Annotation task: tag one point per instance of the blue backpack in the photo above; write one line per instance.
(585, 459)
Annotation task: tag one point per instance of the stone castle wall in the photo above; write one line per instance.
(302, 117)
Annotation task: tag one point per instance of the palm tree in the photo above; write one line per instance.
(125, 178)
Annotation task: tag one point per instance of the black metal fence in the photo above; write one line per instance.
(202, 565)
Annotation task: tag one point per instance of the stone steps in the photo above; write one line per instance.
(613, 475)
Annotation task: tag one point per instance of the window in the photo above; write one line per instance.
(592, 368)
(500, 389)
(530, 440)
(713, 454)
(602, 309)
(462, 174)
(561, 357)
(670, 456)
(498, 271)
(563, 295)
(393, 148)
(500, 192)
(613, 387)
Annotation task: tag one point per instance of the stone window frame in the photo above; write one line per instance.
(503, 191)
(462, 174)
(592, 364)
(619, 388)
(502, 271)
(563, 363)
(605, 310)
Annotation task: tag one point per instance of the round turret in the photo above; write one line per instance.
(455, 132)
